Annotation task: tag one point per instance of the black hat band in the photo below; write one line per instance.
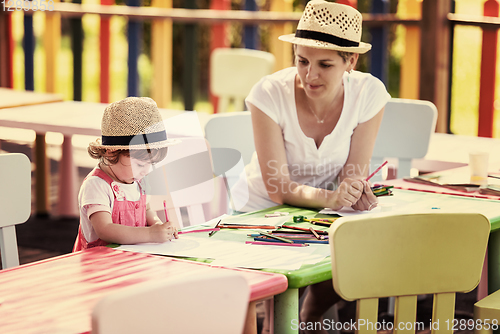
(320, 36)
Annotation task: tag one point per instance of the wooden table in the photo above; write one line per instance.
(448, 151)
(57, 295)
(11, 98)
(286, 305)
(83, 118)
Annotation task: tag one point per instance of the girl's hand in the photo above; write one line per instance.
(160, 232)
(368, 200)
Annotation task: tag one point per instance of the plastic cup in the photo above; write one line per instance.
(478, 164)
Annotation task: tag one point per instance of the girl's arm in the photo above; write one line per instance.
(357, 166)
(126, 235)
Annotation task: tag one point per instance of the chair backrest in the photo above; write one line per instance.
(233, 72)
(404, 133)
(216, 303)
(405, 255)
(187, 170)
(233, 130)
(15, 203)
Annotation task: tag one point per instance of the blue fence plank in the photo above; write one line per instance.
(251, 33)
(29, 52)
(134, 34)
(77, 49)
(190, 75)
(378, 54)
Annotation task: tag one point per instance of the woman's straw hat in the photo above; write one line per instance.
(133, 123)
(331, 26)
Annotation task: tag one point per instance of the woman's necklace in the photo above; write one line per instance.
(320, 121)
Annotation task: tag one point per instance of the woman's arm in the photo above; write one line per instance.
(126, 235)
(270, 149)
(357, 166)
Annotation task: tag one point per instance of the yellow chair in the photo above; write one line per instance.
(487, 314)
(405, 255)
(233, 72)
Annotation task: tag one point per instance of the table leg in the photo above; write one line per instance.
(42, 177)
(286, 312)
(494, 262)
(251, 319)
(8, 247)
(67, 205)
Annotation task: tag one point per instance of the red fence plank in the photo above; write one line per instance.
(488, 73)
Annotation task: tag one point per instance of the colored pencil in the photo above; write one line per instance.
(274, 244)
(203, 230)
(165, 208)
(276, 237)
(376, 170)
(296, 241)
(303, 229)
(316, 235)
(265, 227)
(216, 227)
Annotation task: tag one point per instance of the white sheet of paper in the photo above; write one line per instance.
(252, 220)
(346, 212)
(235, 254)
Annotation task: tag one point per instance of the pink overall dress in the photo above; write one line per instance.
(129, 213)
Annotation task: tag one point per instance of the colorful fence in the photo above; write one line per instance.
(421, 70)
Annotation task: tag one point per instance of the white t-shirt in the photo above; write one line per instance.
(364, 97)
(96, 195)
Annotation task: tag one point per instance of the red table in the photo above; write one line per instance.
(57, 295)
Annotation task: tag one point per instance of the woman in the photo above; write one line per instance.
(315, 126)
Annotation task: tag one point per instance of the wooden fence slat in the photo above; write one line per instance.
(77, 48)
(251, 34)
(52, 43)
(410, 62)
(378, 54)
(190, 70)
(29, 52)
(282, 51)
(218, 39)
(161, 54)
(104, 47)
(434, 58)
(5, 50)
(134, 33)
(488, 73)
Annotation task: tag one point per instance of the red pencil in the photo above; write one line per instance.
(165, 208)
(376, 170)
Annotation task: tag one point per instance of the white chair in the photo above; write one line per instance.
(233, 72)
(187, 170)
(404, 134)
(15, 203)
(229, 131)
(216, 303)
(232, 130)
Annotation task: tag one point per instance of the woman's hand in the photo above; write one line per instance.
(368, 200)
(354, 193)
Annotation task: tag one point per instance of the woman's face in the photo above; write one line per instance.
(320, 71)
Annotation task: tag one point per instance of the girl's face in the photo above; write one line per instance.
(320, 71)
(129, 169)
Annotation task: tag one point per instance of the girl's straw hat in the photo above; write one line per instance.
(331, 26)
(133, 123)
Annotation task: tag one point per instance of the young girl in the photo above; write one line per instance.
(112, 198)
